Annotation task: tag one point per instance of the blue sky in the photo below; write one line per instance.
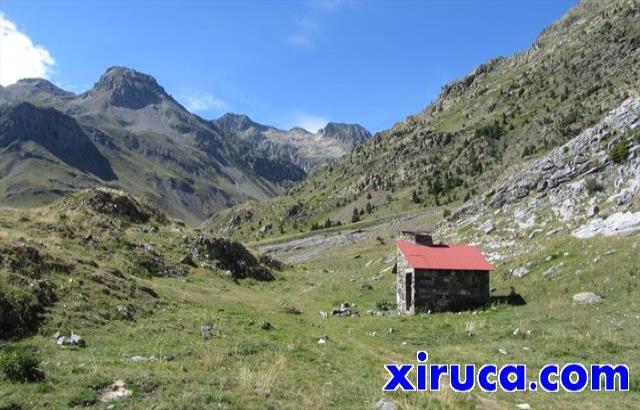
(282, 63)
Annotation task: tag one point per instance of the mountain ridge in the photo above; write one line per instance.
(156, 148)
(307, 150)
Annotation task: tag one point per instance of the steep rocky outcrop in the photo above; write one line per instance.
(582, 187)
(230, 256)
(120, 205)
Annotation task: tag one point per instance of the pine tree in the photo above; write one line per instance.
(355, 217)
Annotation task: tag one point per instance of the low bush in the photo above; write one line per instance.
(20, 364)
(619, 151)
(593, 186)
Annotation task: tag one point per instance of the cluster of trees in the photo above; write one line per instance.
(358, 213)
(328, 223)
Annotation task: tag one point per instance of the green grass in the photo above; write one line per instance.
(244, 366)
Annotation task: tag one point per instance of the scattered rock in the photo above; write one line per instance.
(487, 227)
(266, 325)
(553, 232)
(292, 310)
(345, 309)
(534, 232)
(616, 224)
(323, 340)
(324, 315)
(552, 270)
(188, 260)
(73, 340)
(139, 358)
(502, 351)
(90, 240)
(520, 271)
(523, 406)
(116, 391)
(384, 404)
(207, 331)
(586, 297)
(592, 210)
(624, 197)
(126, 312)
(155, 266)
(265, 228)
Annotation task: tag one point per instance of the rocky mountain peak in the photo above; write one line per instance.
(40, 85)
(299, 130)
(351, 134)
(128, 88)
(231, 122)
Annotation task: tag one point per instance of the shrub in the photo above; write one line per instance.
(619, 152)
(20, 309)
(19, 364)
(495, 131)
(369, 207)
(355, 217)
(593, 186)
(446, 212)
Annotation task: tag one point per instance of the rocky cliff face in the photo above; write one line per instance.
(588, 186)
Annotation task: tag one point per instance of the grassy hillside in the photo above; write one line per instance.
(504, 114)
(239, 364)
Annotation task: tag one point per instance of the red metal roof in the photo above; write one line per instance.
(445, 257)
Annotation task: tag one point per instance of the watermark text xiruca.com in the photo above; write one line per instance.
(570, 377)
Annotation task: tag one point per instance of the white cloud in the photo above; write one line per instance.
(309, 122)
(311, 21)
(201, 102)
(305, 29)
(19, 57)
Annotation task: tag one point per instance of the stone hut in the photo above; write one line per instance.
(439, 277)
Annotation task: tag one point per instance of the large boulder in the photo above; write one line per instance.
(121, 205)
(230, 256)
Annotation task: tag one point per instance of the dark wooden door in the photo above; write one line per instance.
(409, 295)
